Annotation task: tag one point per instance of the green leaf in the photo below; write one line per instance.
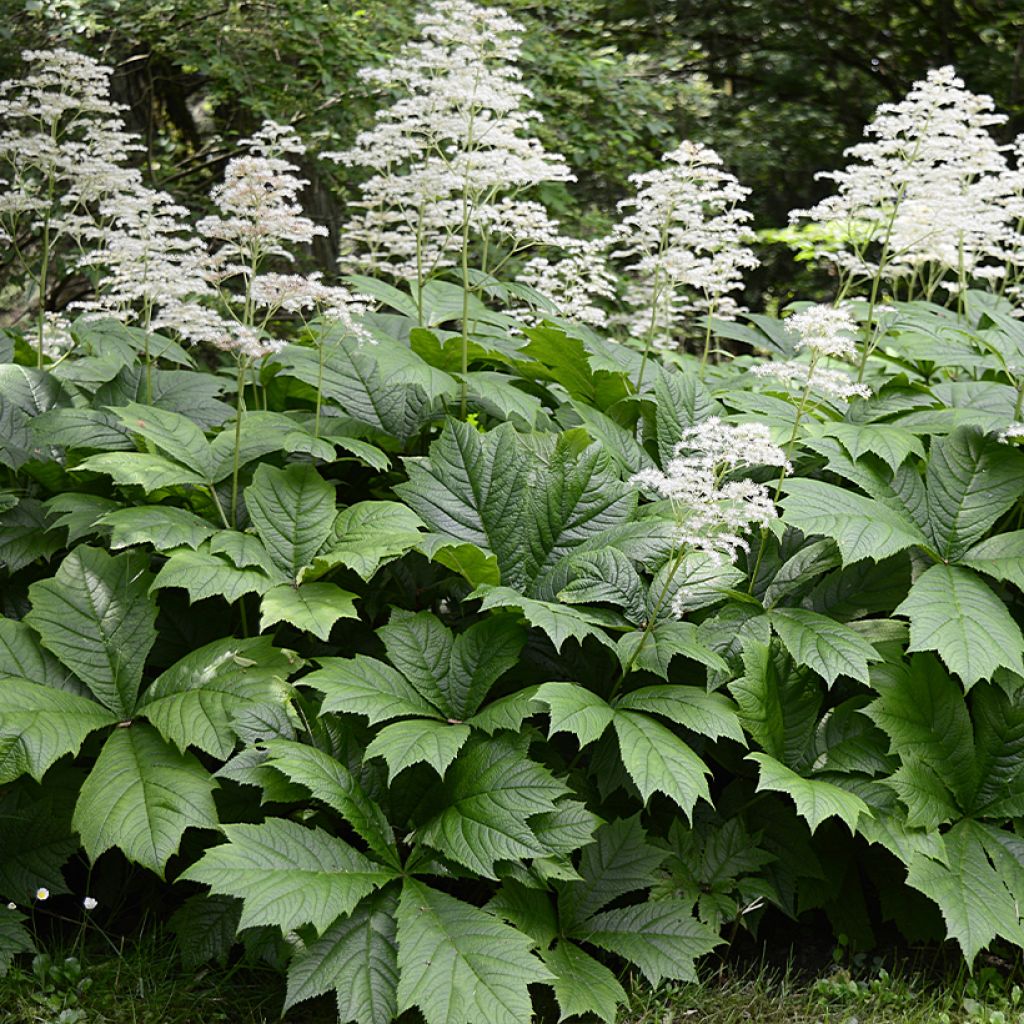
(194, 701)
(79, 514)
(823, 645)
(1001, 557)
(459, 964)
(175, 435)
(708, 714)
(890, 442)
(973, 898)
(683, 401)
(815, 799)
(38, 725)
(559, 622)
(141, 469)
(405, 743)
(163, 526)
(261, 433)
(204, 574)
(365, 686)
(661, 937)
(14, 938)
(659, 762)
(205, 928)
(620, 861)
(972, 480)
(928, 800)
(606, 576)
(314, 607)
(583, 985)
(861, 527)
(25, 536)
(22, 657)
(96, 615)
(573, 708)
(490, 792)
(287, 875)
(140, 796)
(999, 748)
(952, 611)
(368, 535)
(655, 648)
(329, 781)
(357, 957)
(293, 512)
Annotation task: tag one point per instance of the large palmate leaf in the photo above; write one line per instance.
(22, 657)
(194, 701)
(329, 781)
(163, 526)
(573, 708)
(357, 958)
(366, 536)
(607, 576)
(861, 527)
(293, 512)
(38, 725)
(653, 649)
(954, 612)
(972, 480)
(827, 647)
(288, 875)
(658, 761)
(175, 435)
(489, 794)
(460, 965)
(313, 607)
(203, 573)
(708, 714)
(662, 937)
(1000, 556)
(998, 752)
(96, 615)
(402, 744)
(815, 799)
(365, 686)
(473, 489)
(582, 984)
(140, 796)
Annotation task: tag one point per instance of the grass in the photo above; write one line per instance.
(144, 983)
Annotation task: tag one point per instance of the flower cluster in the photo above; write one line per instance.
(686, 230)
(576, 283)
(453, 155)
(713, 512)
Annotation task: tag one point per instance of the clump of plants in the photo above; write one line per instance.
(438, 639)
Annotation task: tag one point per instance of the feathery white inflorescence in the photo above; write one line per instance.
(826, 330)
(713, 512)
(575, 283)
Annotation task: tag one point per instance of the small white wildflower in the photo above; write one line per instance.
(1012, 432)
(42, 894)
(835, 384)
(12, 906)
(826, 330)
(89, 903)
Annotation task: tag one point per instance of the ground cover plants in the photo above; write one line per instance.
(519, 612)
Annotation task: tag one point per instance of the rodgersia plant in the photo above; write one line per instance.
(685, 234)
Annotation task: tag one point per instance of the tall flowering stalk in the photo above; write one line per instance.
(63, 149)
(451, 159)
(575, 282)
(686, 236)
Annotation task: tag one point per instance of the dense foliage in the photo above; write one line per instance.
(438, 641)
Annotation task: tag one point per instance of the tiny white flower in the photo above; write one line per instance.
(12, 906)
(42, 894)
(89, 903)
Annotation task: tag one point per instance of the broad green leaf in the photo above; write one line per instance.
(473, 564)
(823, 645)
(973, 898)
(459, 964)
(815, 799)
(573, 708)
(204, 574)
(243, 550)
(655, 648)
(365, 686)
(140, 796)
(329, 781)
(497, 395)
(368, 535)
(952, 611)
(142, 469)
(617, 441)
(39, 724)
(260, 434)
(163, 526)
(22, 657)
(420, 646)
(194, 701)
(314, 607)
(14, 938)
(1001, 557)
(490, 792)
(890, 442)
(26, 536)
(683, 401)
(708, 714)
(558, 621)
(420, 739)
(507, 712)
(620, 861)
(567, 828)
(972, 480)
(175, 435)
(357, 958)
(293, 512)
(661, 937)
(79, 514)
(927, 798)
(96, 615)
(861, 527)
(205, 928)
(287, 875)
(998, 750)
(659, 762)
(528, 909)
(583, 985)
(480, 656)
(606, 576)
(923, 712)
